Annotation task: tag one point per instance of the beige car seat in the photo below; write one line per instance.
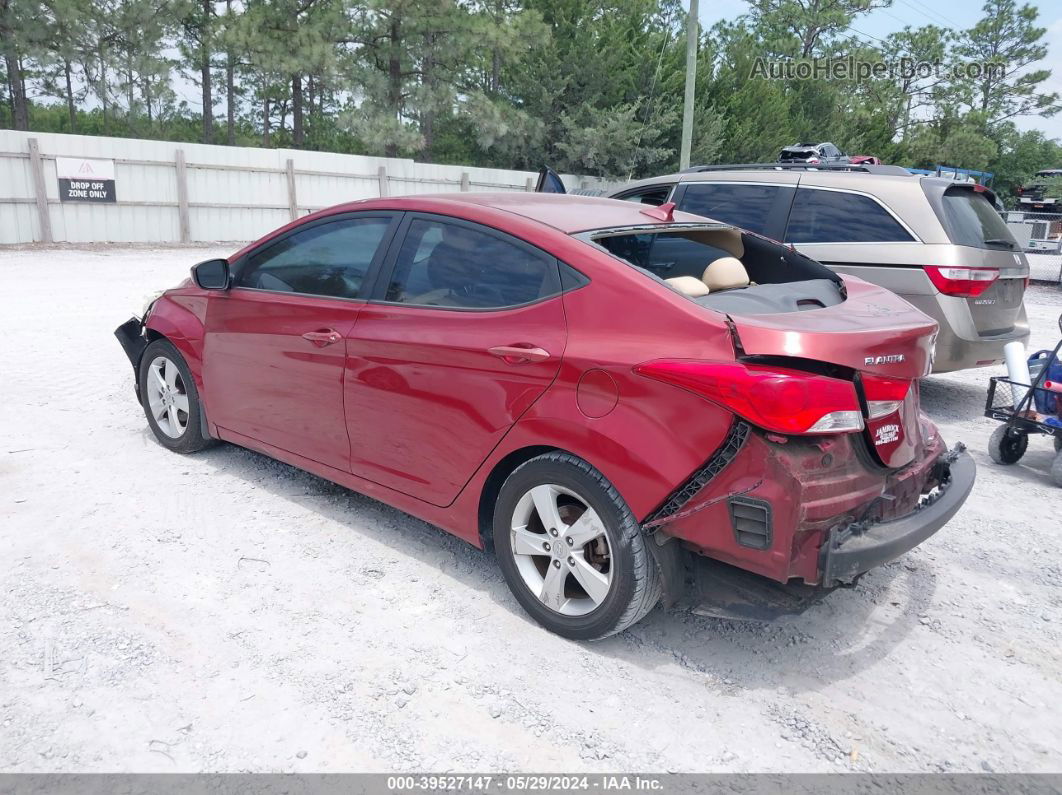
(725, 273)
(688, 285)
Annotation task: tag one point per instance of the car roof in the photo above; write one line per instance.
(770, 172)
(564, 212)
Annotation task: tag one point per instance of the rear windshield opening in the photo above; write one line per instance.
(971, 220)
(686, 259)
(688, 252)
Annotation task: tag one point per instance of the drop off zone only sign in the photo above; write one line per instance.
(83, 180)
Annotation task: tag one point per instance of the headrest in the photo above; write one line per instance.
(687, 285)
(725, 273)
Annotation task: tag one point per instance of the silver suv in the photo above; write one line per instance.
(938, 243)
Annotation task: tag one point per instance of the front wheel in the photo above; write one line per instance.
(571, 551)
(1007, 446)
(170, 399)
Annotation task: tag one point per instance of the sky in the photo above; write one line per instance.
(958, 14)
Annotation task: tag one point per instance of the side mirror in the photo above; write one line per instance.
(212, 274)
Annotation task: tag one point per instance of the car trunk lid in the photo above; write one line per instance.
(882, 342)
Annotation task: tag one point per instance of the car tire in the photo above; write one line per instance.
(1056, 469)
(1007, 448)
(584, 571)
(170, 399)
(1058, 444)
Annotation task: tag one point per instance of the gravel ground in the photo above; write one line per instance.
(224, 612)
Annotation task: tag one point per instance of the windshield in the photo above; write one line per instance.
(973, 221)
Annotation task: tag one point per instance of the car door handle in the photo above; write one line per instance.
(323, 337)
(519, 354)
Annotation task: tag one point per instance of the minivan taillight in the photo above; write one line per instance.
(961, 282)
(774, 398)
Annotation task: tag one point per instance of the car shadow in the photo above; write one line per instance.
(951, 400)
(851, 629)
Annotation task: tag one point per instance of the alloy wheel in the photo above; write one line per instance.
(167, 397)
(561, 549)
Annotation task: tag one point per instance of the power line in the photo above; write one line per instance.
(926, 11)
(861, 33)
(903, 22)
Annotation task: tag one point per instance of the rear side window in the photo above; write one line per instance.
(973, 221)
(747, 206)
(827, 216)
(453, 265)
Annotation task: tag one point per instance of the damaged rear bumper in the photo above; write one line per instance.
(858, 547)
(714, 588)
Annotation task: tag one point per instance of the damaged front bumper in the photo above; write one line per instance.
(860, 546)
(131, 336)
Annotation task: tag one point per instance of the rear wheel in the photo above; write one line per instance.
(170, 399)
(1058, 444)
(571, 551)
(1007, 446)
(1056, 469)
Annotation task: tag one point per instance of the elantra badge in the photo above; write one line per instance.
(892, 358)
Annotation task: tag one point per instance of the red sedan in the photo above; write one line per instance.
(601, 391)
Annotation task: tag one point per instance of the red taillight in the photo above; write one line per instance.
(884, 395)
(774, 398)
(961, 282)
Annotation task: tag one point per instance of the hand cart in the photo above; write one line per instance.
(1025, 410)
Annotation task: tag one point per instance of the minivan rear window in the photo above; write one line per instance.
(827, 216)
(973, 221)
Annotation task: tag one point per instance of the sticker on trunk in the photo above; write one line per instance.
(886, 434)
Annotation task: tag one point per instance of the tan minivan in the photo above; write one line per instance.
(938, 243)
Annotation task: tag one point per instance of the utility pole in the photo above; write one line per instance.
(691, 85)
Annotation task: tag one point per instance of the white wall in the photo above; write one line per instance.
(234, 193)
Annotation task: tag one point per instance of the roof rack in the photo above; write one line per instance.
(860, 167)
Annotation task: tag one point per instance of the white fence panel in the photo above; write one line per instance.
(231, 193)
